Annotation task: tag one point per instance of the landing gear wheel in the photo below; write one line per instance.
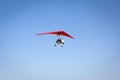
(55, 45)
(61, 46)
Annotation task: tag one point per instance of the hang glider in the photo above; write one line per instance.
(59, 33)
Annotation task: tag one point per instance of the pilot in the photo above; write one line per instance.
(60, 41)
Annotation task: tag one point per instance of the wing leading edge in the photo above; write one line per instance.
(60, 32)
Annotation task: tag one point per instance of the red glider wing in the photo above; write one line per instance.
(63, 33)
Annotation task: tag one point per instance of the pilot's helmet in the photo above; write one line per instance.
(62, 40)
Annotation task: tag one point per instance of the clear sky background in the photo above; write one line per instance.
(94, 54)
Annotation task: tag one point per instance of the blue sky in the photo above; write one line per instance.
(94, 54)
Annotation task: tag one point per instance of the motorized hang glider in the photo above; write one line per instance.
(59, 33)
